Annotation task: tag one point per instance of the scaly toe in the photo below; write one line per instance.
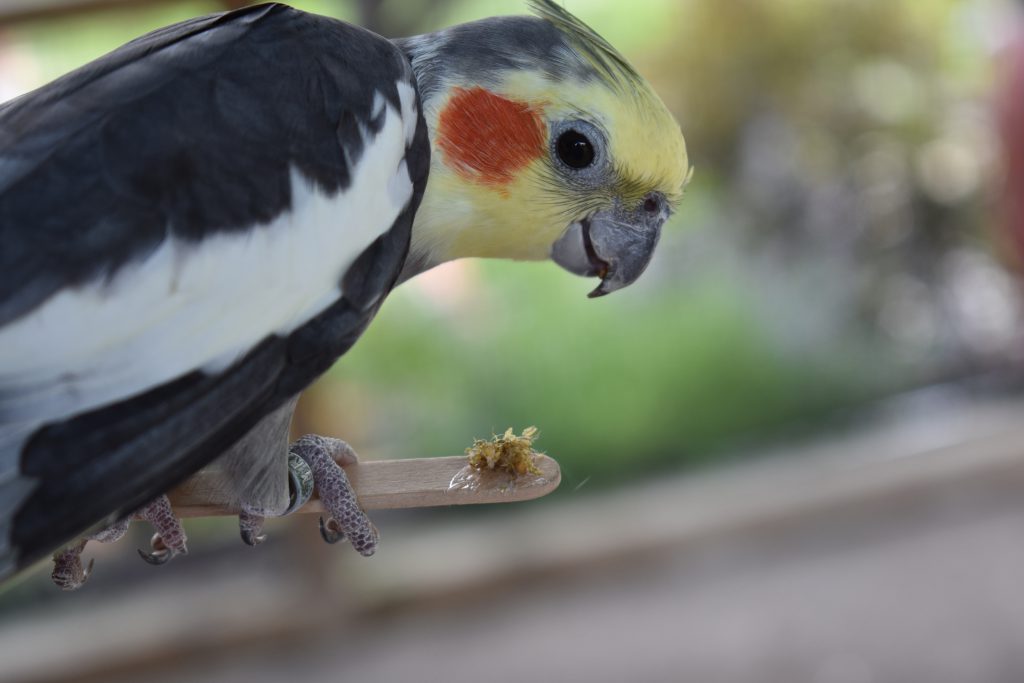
(68, 572)
(169, 533)
(345, 518)
(365, 542)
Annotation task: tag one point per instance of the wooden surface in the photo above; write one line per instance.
(391, 484)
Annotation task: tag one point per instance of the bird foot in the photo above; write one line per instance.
(345, 518)
(300, 488)
(169, 540)
(68, 572)
(313, 461)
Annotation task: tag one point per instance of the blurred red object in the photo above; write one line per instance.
(1010, 109)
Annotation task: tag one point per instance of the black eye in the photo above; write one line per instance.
(574, 149)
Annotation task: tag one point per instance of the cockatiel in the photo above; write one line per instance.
(198, 224)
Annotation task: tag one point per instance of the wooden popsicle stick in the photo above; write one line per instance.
(392, 484)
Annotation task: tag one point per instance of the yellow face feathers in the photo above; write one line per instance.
(522, 152)
(646, 143)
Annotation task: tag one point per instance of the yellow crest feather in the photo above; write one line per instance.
(598, 51)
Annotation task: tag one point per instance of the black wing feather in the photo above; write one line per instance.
(188, 131)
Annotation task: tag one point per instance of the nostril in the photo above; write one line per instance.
(652, 205)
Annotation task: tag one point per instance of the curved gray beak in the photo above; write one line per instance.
(613, 244)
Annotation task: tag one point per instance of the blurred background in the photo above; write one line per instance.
(794, 451)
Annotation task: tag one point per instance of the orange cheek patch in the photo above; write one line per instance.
(487, 138)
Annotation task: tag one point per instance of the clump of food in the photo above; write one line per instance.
(506, 453)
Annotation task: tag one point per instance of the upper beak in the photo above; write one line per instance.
(614, 244)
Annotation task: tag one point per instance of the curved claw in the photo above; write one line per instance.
(161, 553)
(251, 538)
(250, 527)
(329, 531)
(157, 557)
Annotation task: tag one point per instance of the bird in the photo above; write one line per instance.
(198, 224)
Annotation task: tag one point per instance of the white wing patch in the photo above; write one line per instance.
(407, 100)
(199, 305)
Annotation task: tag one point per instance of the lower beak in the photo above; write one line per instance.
(612, 244)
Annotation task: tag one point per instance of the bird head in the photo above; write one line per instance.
(545, 143)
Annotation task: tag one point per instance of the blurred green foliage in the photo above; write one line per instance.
(649, 378)
(839, 67)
